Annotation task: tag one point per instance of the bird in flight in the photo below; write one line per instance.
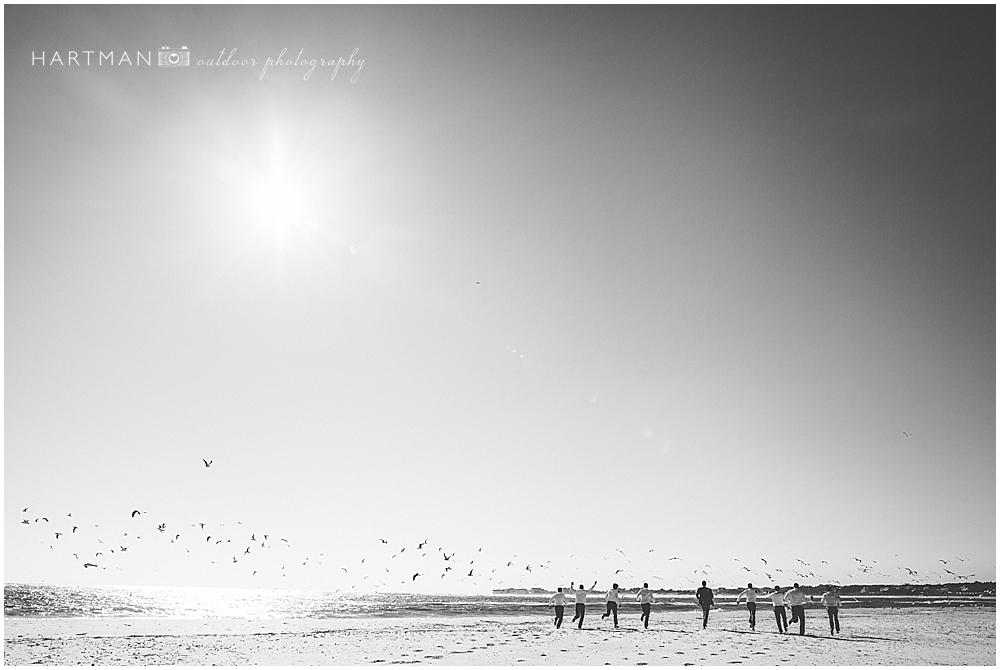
(448, 558)
(74, 528)
(765, 562)
(470, 573)
(162, 527)
(415, 575)
(208, 464)
(90, 565)
(421, 545)
(57, 535)
(907, 434)
(134, 512)
(383, 541)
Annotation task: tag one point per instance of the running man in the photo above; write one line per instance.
(705, 598)
(750, 593)
(581, 603)
(796, 599)
(778, 600)
(558, 600)
(831, 601)
(645, 598)
(611, 598)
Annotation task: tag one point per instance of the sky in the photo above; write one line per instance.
(578, 289)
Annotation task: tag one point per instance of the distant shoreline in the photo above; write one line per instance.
(951, 589)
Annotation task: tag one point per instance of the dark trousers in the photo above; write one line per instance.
(752, 608)
(779, 616)
(645, 613)
(580, 610)
(705, 607)
(559, 615)
(612, 609)
(799, 614)
(834, 619)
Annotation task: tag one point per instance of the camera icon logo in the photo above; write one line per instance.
(174, 57)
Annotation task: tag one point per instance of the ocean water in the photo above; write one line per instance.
(32, 600)
(206, 603)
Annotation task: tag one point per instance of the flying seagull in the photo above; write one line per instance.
(415, 575)
(208, 464)
(134, 512)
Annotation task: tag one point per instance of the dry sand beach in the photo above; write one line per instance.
(915, 636)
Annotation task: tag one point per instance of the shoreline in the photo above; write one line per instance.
(870, 636)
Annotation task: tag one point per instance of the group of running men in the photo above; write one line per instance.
(794, 598)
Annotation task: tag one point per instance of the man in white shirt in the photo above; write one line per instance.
(558, 599)
(645, 598)
(796, 599)
(778, 600)
(831, 601)
(581, 603)
(750, 593)
(611, 598)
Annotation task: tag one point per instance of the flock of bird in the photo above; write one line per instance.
(385, 565)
